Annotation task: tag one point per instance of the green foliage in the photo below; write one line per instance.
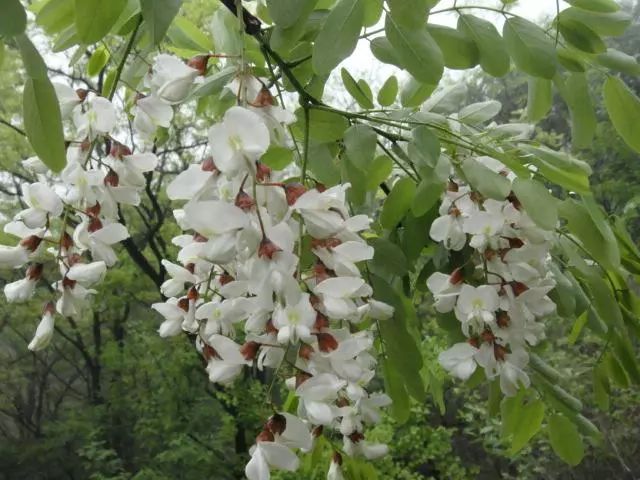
(623, 107)
(158, 15)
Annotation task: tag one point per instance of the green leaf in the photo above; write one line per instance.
(360, 145)
(486, 181)
(427, 195)
(13, 19)
(359, 94)
(397, 203)
(41, 111)
(580, 36)
(539, 204)
(56, 15)
(394, 386)
(277, 157)
(425, 146)
(571, 60)
(339, 35)
(619, 61)
(322, 163)
(185, 35)
(565, 439)
(625, 354)
(596, 5)
(575, 91)
(521, 420)
(539, 98)
(381, 49)
(2, 51)
(591, 229)
(94, 18)
(378, 171)
(409, 13)
(602, 23)
(559, 168)
(389, 91)
(532, 50)
(416, 50)
(494, 58)
(601, 386)
(372, 12)
(459, 51)
(158, 15)
(414, 93)
(214, 84)
(98, 60)
(286, 13)
(388, 259)
(623, 107)
(479, 112)
(326, 126)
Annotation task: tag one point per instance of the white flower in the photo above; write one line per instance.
(13, 257)
(335, 470)
(171, 79)
(99, 118)
(174, 316)
(445, 293)
(459, 360)
(227, 362)
(477, 305)
(188, 183)
(294, 321)
(67, 97)
(131, 168)
(99, 241)
(150, 113)
(368, 450)
(266, 455)
(342, 258)
(337, 295)
(324, 213)
(238, 141)
(42, 202)
(317, 395)
(179, 276)
(20, 290)
(44, 332)
(448, 229)
(87, 273)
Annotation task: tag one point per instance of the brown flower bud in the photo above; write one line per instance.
(118, 150)
(250, 350)
(514, 201)
(267, 248)
(454, 211)
(31, 243)
(270, 328)
(199, 63)
(277, 424)
(94, 225)
(518, 288)
(264, 98)
(66, 242)
(452, 186)
(244, 201)
(456, 277)
(82, 93)
(225, 278)
(263, 173)
(355, 437)
(49, 308)
(208, 165)
(68, 283)
(337, 458)
(265, 436)
(499, 352)
(301, 378)
(183, 303)
(293, 192)
(515, 242)
(474, 342)
(488, 336)
(327, 342)
(94, 210)
(320, 187)
(305, 351)
(317, 431)
(209, 352)
(191, 267)
(321, 322)
(34, 271)
(192, 294)
(112, 179)
(331, 242)
(502, 319)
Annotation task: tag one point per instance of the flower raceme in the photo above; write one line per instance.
(499, 292)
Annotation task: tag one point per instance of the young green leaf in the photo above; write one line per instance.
(56, 15)
(539, 98)
(486, 181)
(326, 126)
(416, 50)
(427, 195)
(606, 24)
(98, 60)
(580, 36)
(94, 18)
(362, 97)
(13, 19)
(479, 112)
(339, 35)
(532, 50)
(619, 61)
(409, 13)
(381, 49)
(41, 111)
(414, 93)
(158, 15)
(277, 157)
(575, 91)
(459, 51)
(398, 203)
(360, 145)
(539, 204)
(389, 91)
(559, 168)
(521, 420)
(494, 58)
(624, 110)
(286, 13)
(606, 6)
(565, 439)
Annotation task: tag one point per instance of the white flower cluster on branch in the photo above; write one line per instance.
(499, 291)
(267, 276)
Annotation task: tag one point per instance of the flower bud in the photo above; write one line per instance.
(199, 63)
(277, 424)
(250, 350)
(183, 303)
(293, 191)
(82, 93)
(305, 351)
(265, 436)
(267, 248)
(31, 243)
(502, 319)
(34, 271)
(208, 165)
(321, 322)
(68, 283)
(244, 201)
(118, 150)
(66, 241)
(456, 277)
(326, 342)
(263, 173)
(112, 179)
(264, 98)
(94, 225)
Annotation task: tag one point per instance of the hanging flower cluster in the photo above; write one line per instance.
(499, 290)
(242, 284)
(73, 217)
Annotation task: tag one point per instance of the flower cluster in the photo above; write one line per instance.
(266, 276)
(499, 290)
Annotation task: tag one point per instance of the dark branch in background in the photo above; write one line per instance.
(72, 77)
(13, 127)
(252, 25)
